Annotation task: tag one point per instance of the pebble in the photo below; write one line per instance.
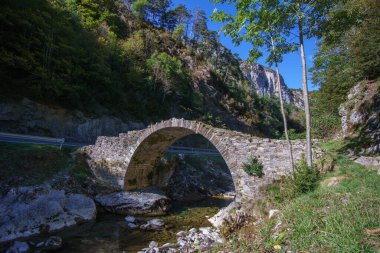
(155, 224)
(53, 243)
(130, 219)
(132, 225)
(273, 212)
(153, 244)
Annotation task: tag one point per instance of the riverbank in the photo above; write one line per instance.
(56, 194)
(111, 233)
(340, 215)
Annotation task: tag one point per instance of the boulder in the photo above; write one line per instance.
(369, 161)
(224, 214)
(134, 203)
(27, 211)
(18, 247)
(360, 117)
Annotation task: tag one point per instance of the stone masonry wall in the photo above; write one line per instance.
(127, 161)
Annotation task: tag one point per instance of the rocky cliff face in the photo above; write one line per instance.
(263, 80)
(32, 118)
(360, 116)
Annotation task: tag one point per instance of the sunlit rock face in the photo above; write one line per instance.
(31, 210)
(360, 117)
(264, 80)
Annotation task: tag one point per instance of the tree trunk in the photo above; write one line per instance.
(279, 89)
(309, 158)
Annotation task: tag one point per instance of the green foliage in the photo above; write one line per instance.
(348, 53)
(294, 135)
(80, 169)
(254, 167)
(179, 32)
(328, 219)
(305, 178)
(140, 8)
(60, 61)
(325, 119)
(213, 120)
(263, 24)
(167, 70)
(98, 57)
(30, 164)
(333, 217)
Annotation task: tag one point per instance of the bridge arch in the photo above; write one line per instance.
(126, 161)
(153, 143)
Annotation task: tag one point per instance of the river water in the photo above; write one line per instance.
(110, 232)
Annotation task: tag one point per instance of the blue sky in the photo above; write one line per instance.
(290, 68)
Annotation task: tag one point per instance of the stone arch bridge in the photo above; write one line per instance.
(128, 161)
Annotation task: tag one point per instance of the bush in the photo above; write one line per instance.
(254, 167)
(305, 178)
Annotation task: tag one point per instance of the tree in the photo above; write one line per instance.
(183, 17)
(183, 14)
(158, 10)
(140, 9)
(261, 23)
(342, 60)
(200, 30)
(308, 19)
(167, 71)
(179, 32)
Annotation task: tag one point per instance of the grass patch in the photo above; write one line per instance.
(79, 169)
(332, 218)
(30, 164)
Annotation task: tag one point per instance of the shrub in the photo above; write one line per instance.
(305, 178)
(254, 167)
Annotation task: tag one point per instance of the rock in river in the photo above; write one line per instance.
(134, 203)
(155, 224)
(27, 211)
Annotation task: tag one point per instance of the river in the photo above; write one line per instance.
(110, 232)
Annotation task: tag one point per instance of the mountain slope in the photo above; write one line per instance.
(102, 59)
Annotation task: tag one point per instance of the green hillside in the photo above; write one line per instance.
(134, 61)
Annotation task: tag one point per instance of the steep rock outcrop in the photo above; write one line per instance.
(29, 117)
(263, 80)
(360, 116)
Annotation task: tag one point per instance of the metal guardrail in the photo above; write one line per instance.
(193, 151)
(31, 139)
